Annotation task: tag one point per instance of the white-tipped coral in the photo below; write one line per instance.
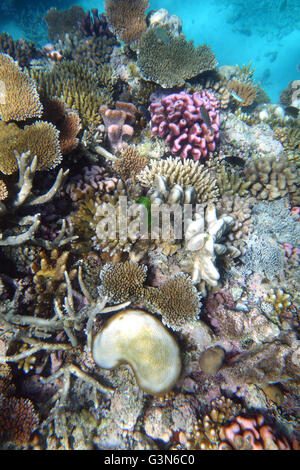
(137, 338)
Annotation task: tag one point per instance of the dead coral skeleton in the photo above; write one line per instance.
(21, 195)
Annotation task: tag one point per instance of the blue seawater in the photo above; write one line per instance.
(263, 32)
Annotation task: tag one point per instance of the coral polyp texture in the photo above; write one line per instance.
(189, 124)
(21, 100)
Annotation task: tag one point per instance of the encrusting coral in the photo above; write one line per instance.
(21, 99)
(169, 60)
(126, 18)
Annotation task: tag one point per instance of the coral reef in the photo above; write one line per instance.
(188, 123)
(169, 60)
(126, 18)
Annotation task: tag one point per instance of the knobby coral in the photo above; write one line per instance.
(189, 124)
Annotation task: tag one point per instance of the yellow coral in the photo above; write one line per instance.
(41, 138)
(20, 99)
(3, 191)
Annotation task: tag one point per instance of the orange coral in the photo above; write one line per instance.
(126, 18)
(20, 100)
(251, 433)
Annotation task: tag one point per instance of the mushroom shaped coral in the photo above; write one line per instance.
(136, 338)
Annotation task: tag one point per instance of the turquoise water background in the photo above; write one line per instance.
(263, 32)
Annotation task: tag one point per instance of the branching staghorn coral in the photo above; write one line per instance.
(186, 173)
(126, 18)
(130, 163)
(169, 60)
(21, 100)
(20, 194)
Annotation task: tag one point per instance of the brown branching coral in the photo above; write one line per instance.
(130, 163)
(273, 178)
(126, 18)
(62, 22)
(186, 173)
(240, 209)
(123, 281)
(49, 279)
(245, 91)
(21, 100)
(80, 88)
(18, 420)
(40, 138)
(172, 60)
(230, 182)
(177, 301)
(20, 50)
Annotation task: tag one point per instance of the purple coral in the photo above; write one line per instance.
(189, 124)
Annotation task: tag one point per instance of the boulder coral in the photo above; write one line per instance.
(136, 338)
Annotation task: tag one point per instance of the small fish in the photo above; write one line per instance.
(235, 160)
(162, 35)
(236, 96)
(206, 118)
(292, 111)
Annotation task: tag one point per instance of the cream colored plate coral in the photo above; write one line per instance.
(136, 338)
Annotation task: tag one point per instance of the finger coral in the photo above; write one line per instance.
(169, 60)
(189, 124)
(126, 18)
(136, 338)
(21, 98)
(186, 173)
(272, 178)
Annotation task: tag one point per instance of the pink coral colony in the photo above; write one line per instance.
(189, 124)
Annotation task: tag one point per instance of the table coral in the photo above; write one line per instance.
(126, 18)
(169, 60)
(21, 97)
(189, 124)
